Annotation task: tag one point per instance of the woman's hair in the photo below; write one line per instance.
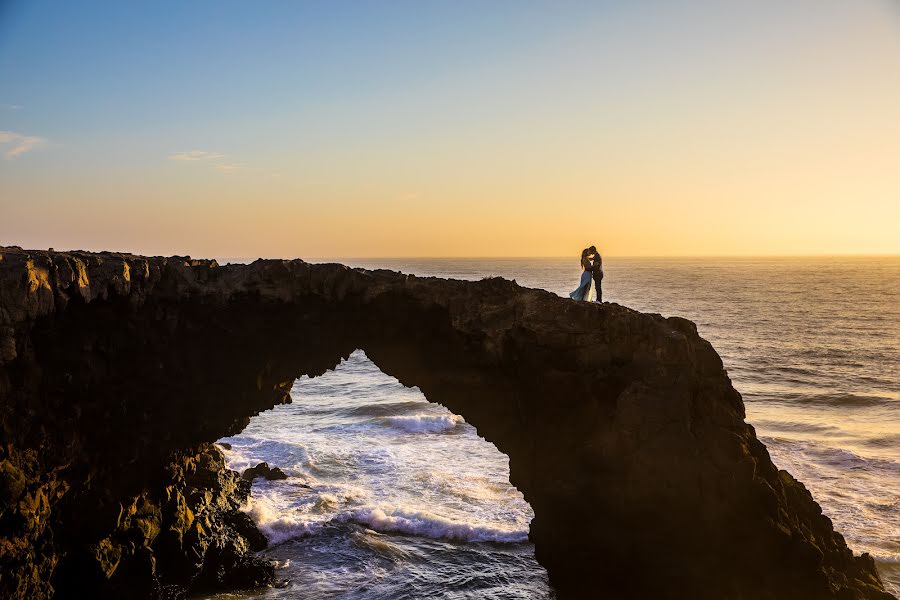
(585, 263)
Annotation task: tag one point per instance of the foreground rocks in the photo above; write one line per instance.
(623, 430)
(183, 533)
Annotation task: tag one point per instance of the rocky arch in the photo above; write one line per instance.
(623, 430)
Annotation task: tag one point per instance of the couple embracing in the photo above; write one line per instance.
(592, 270)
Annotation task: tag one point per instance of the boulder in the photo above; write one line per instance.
(263, 470)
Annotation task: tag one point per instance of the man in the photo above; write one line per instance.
(596, 273)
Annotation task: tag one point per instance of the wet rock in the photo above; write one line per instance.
(263, 470)
(12, 482)
(244, 525)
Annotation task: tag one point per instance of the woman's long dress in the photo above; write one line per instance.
(581, 292)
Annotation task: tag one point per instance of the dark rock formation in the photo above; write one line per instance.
(622, 429)
(265, 471)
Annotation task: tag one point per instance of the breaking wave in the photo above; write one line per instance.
(425, 423)
(430, 525)
(277, 525)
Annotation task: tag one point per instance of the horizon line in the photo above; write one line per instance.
(569, 256)
(469, 257)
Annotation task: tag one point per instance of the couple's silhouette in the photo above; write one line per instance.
(592, 271)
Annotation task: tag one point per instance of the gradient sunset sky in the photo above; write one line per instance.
(419, 128)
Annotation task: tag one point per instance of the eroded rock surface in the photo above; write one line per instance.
(265, 471)
(623, 429)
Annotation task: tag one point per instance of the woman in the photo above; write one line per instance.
(581, 292)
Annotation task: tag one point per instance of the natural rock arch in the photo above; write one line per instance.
(622, 429)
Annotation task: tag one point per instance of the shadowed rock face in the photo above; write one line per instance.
(622, 429)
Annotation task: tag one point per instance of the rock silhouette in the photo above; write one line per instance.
(623, 431)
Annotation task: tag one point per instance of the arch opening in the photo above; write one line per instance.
(385, 492)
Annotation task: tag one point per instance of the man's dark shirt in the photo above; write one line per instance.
(597, 271)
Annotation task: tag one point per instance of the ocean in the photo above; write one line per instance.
(392, 497)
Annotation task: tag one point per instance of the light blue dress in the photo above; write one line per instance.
(581, 292)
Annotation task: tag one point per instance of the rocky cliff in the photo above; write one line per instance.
(623, 430)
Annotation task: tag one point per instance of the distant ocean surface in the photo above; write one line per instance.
(392, 497)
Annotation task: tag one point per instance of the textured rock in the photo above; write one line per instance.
(623, 429)
(265, 471)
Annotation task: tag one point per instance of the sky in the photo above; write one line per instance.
(457, 128)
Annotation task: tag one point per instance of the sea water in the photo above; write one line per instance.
(390, 496)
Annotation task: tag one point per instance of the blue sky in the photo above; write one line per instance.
(127, 67)
(434, 128)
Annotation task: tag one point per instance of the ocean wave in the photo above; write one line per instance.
(282, 524)
(888, 559)
(825, 455)
(236, 460)
(470, 488)
(891, 440)
(425, 423)
(795, 427)
(277, 525)
(835, 399)
(426, 524)
(248, 451)
(845, 399)
(384, 409)
(374, 541)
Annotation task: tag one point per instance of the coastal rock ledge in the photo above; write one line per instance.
(623, 431)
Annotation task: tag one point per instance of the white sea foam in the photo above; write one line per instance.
(282, 522)
(279, 525)
(426, 524)
(245, 453)
(425, 423)
(236, 460)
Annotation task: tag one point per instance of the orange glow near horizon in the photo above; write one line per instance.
(698, 130)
